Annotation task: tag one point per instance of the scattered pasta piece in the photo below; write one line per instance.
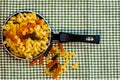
(48, 72)
(53, 67)
(52, 51)
(61, 72)
(63, 68)
(75, 66)
(41, 60)
(56, 72)
(57, 79)
(48, 59)
(72, 55)
(49, 65)
(60, 46)
(32, 63)
(66, 62)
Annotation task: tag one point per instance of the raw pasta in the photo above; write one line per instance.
(75, 66)
(64, 64)
(26, 37)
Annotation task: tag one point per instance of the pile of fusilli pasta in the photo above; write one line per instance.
(53, 58)
(54, 66)
(26, 35)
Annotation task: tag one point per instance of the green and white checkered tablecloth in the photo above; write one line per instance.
(96, 61)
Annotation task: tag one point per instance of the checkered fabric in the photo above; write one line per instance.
(96, 61)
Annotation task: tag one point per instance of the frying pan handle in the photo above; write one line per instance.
(66, 37)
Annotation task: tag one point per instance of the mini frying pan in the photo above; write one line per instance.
(56, 37)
